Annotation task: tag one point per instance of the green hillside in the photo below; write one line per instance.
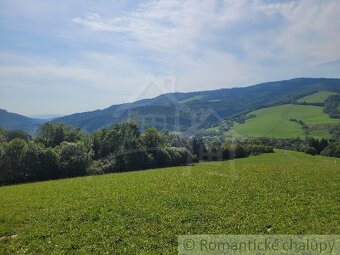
(10, 121)
(275, 122)
(318, 97)
(179, 110)
(190, 99)
(143, 212)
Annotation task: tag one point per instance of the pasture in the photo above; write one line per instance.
(318, 97)
(275, 122)
(143, 212)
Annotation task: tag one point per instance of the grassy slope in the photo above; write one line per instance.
(274, 122)
(190, 99)
(318, 97)
(143, 212)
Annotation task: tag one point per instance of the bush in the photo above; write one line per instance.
(244, 149)
(12, 134)
(132, 160)
(197, 147)
(102, 166)
(12, 168)
(73, 159)
(171, 156)
(152, 138)
(122, 137)
(256, 149)
(179, 156)
(332, 150)
(4, 173)
(310, 150)
(40, 163)
(53, 134)
(238, 151)
(331, 106)
(2, 135)
(97, 167)
(161, 157)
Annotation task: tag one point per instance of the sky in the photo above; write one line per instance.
(67, 56)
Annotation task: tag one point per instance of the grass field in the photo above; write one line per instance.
(190, 99)
(275, 122)
(318, 97)
(143, 212)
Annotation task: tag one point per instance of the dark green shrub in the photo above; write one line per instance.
(73, 159)
(310, 150)
(40, 163)
(12, 167)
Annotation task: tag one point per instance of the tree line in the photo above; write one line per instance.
(332, 106)
(61, 151)
(312, 146)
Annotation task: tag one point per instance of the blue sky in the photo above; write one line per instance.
(77, 55)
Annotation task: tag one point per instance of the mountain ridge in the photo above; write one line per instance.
(10, 121)
(176, 111)
(225, 102)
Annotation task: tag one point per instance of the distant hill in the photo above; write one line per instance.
(192, 111)
(9, 121)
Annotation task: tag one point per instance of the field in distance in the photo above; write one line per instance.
(318, 97)
(276, 122)
(143, 212)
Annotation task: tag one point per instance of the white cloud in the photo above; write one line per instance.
(307, 27)
(312, 34)
(114, 53)
(159, 25)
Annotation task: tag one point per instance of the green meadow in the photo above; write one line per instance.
(143, 212)
(275, 122)
(318, 97)
(191, 99)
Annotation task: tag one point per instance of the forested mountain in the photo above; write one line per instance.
(195, 110)
(10, 121)
(187, 111)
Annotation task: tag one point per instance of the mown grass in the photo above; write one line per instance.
(275, 122)
(318, 97)
(143, 212)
